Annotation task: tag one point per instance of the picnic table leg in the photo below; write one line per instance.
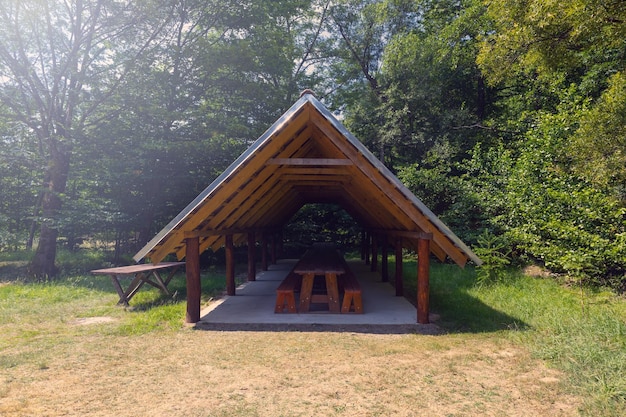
(134, 286)
(332, 291)
(159, 281)
(170, 276)
(120, 291)
(305, 292)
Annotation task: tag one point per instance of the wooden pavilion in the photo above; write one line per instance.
(306, 156)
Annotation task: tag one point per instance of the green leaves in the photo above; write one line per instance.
(494, 251)
(599, 145)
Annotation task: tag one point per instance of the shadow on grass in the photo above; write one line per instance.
(13, 271)
(212, 285)
(451, 299)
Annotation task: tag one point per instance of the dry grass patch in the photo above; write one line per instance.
(210, 373)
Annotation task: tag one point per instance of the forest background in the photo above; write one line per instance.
(507, 118)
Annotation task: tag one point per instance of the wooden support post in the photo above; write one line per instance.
(384, 258)
(281, 241)
(230, 265)
(274, 239)
(368, 236)
(264, 251)
(423, 280)
(251, 257)
(194, 287)
(399, 280)
(363, 244)
(374, 266)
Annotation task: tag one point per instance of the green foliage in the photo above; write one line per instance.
(494, 252)
(505, 116)
(320, 223)
(551, 36)
(450, 197)
(560, 67)
(560, 219)
(599, 144)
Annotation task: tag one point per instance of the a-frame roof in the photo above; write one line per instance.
(306, 156)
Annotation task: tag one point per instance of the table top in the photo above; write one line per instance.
(133, 269)
(320, 260)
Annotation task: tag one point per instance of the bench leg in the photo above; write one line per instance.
(280, 302)
(347, 300)
(284, 300)
(305, 292)
(120, 291)
(358, 303)
(333, 292)
(291, 302)
(352, 300)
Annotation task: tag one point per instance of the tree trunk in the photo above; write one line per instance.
(43, 265)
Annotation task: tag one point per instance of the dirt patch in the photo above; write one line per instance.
(537, 271)
(93, 320)
(262, 373)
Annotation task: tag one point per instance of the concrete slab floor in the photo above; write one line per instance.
(252, 308)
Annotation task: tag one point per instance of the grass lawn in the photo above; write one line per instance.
(522, 347)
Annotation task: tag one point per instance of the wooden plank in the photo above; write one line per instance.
(306, 171)
(218, 232)
(405, 233)
(309, 162)
(316, 178)
(133, 269)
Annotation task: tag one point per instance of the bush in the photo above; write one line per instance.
(494, 252)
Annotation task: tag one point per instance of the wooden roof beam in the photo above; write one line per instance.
(309, 162)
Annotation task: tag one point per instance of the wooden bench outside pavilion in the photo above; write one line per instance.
(140, 274)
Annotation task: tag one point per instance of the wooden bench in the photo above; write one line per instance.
(352, 295)
(285, 293)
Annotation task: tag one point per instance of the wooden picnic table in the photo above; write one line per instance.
(141, 274)
(322, 260)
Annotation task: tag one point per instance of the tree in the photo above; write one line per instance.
(60, 61)
(574, 53)
(18, 162)
(558, 68)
